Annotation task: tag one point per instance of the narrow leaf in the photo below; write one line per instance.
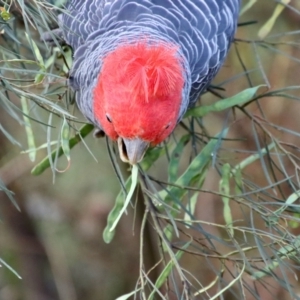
(65, 133)
(239, 99)
(166, 271)
(10, 268)
(9, 194)
(194, 171)
(35, 49)
(267, 27)
(134, 178)
(175, 158)
(288, 251)
(127, 296)
(191, 206)
(40, 76)
(151, 156)
(45, 163)
(225, 190)
(252, 158)
(28, 129)
(247, 6)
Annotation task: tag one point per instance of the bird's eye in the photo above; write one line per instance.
(108, 118)
(167, 126)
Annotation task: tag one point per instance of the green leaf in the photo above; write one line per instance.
(40, 76)
(151, 156)
(166, 272)
(236, 279)
(288, 251)
(238, 180)
(9, 32)
(191, 206)
(43, 146)
(9, 267)
(267, 27)
(134, 179)
(290, 200)
(68, 54)
(127, 296)
(247, 6)
(9, 194)
(108, 233)
(239, 99)
(175, 158)
(194, 171)
(28, 129)
(65, 134)
(36, 50)
(295, 223)
(9, 136)
(194, 174)
(45, 163)
(252, 158)
(225, 190)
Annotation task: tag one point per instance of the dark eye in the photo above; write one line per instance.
(168, 126)
(108, 118)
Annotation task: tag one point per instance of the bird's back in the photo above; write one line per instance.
(81, 18)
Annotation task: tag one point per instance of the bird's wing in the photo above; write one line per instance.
(81, 18)
(203, 29)
(212, 25)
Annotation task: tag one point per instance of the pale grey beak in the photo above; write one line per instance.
(132, 150)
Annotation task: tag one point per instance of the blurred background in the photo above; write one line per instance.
(54, 240)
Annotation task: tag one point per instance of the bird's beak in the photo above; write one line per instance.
(132, 150)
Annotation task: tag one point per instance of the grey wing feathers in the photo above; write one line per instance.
(82, 17)
(212, 36)
(203, 30)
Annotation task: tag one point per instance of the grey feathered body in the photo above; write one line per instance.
(203, 30)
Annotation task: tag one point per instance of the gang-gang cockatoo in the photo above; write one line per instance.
(140, 64)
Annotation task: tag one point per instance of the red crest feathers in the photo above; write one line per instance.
(140, 89)
(148, 71)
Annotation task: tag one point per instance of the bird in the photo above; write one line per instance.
(138, 65)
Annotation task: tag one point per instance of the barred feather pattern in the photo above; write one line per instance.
(202, 29)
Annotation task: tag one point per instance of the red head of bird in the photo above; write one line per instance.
(138, 96)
